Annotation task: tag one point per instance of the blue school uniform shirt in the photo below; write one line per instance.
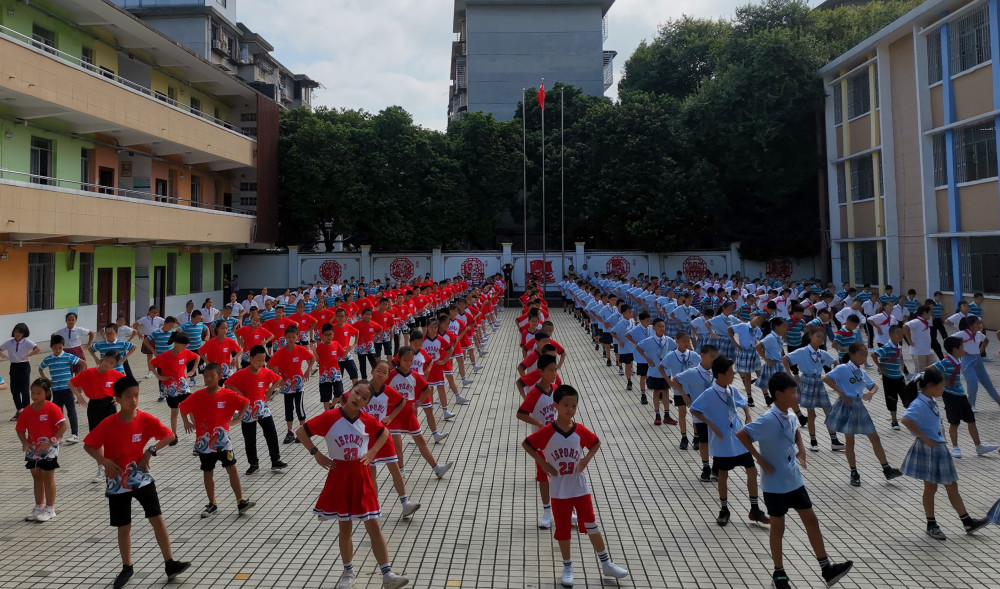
(308, 306)
(746, 335)
(330, 301)
(620, 329)
(161, 339)
(951, 369)
(890, 357)
(772, 346)
(120, 346)
(700, 326)
(721, 405)
(194, 331)
(721, 324)
(975, 310)
(937, 311)
(611, 316)
(267, 315)
(60, 369)
(657, 349)
(863, 297)
(774, 433)
(640, 334)
(231, 322)
(591, 309)
(845, 338)
(675, 363)
(887, 298)
(796, 328)
(851, 379)
(911, 305)
(810, 361)
(745, 312)
(925, 414)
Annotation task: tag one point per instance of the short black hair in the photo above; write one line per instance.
(257, 349)
(563, 391)
(952, 343)
(545, 361)
(123, 384)
(23, 328)
(780, 381)
(721, 365)
(708, 349)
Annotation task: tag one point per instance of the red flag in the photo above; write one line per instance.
(541, 95)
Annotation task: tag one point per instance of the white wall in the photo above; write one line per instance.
(402, 267)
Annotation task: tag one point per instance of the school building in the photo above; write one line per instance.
(911, 144)
(130, 167)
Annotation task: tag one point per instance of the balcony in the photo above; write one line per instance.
(38, 208)
(609, 69)
(48, 83)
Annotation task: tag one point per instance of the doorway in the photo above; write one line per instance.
(105, 280)
(106, 180)
(124, 296)
(160, 288)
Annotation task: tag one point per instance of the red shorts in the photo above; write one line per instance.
(406, 422)
(387, 453)
(435, 375)
(562, 514)
(348, 494)
(540, 475)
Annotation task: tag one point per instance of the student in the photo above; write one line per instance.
(328, 355)
(112, 342)
(146, 326)
(538, 410)
(812, 395)
(849, 415)
(353, 439)
(209, 412)
(743, 338)
(439, 350)
(60, 365)
(118, 444)
(158, 341)
(221, 350)
(345, 335)
(881, 322)
(73, 337)
(718, 407)
(770, 350)
(781, 453)
(928, 458)
(41, 427)
(845, 337)
(257, 383)
(956, 404)
(368, 331)
(287, 362)
(889, 361)
(626, 348)
(645, 330)
(691, 375)
(422, 363)
(973, 342)
(95, 389)
(961, 312)
(413, 388)
(174, 369)
(562, 450)
(655, 350)
(18, 349)
(251, 336)
(918, 332)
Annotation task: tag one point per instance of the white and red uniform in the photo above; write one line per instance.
(410, 386)
(564, 450)
(434, 347)
(348, 493)
(538, 404)
(382, 404)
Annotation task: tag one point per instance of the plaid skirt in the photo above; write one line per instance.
(725, 346)
(766, 372)
(850, 420)
(672, 328)
(747, 360)
(933, 465)
(812, 393)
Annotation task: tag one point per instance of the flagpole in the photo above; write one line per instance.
(544, 266)
(562, 181)
(524, 166)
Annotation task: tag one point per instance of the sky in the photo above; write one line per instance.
(372, 54)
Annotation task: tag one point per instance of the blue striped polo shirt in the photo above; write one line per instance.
(194, 331)
(122, 347)
(890, 358)
(60, 369)
(161, 340)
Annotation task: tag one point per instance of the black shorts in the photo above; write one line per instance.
(958, 409)
(701, 432)
(678, 400)
(120, 505)
(626, 358)
(176, 400)
(656, 383)
(641, 368)
(350, 367)
(606, 338)
(48, 464)
(328, 391)
(226, 457)
(730, 462)
(778, 504)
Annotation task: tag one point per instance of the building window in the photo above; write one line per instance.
(41, 281)
(934, 57)
(87, 58)
(975, 152)
(41, 160)
(858, 95)
(195, 106)
(196, 273)
(944, 263)
(838, 104)
(43, 39)
(217, 271)
(866, 263)
(195, 190)
(248, 117)
(940, 160)
(86, 278)
(979, 264)
(171, 274)
(970, 41)
(841, 183)
(86, 160)
(845, 267)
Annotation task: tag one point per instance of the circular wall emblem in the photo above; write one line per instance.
(401, 269)
(330, 271)
(779, 267)
(474, 269)
(695, 267)
(619, 266)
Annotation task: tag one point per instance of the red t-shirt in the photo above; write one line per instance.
(323, 316)
(342, 335)
(41, 425)
(174, 365)
(277, 326)
(529, 379)
(125, 443)
(252, 337)
(304, 321)
(367, 331)
(387, 320)
(220, 352)
(97, 384)
(254, 387)
(328, 356)
(212, 414)
(289, 364)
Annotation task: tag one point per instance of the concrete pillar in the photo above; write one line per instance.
(294, 268)
(142, 286)
(437, 264)
(366, 262)
(579, 257)
(507, 256)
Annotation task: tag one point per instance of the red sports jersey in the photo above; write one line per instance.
(531, 378)
(221, 353)
(328, 357)
(277, 327)
(304, 321)
(254, 387)
(343, 334)
(367, 331)
(411, 386)
(252, 337)
(564, 450)
(41, 425)
(212, 414)
(384, 402)
(97, 384)
(125, 443)
(289, 365)
(175, 366)
(323, 316)
(538, 404)
(346, 439)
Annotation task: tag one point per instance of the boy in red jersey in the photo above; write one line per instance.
(305, 323)
(95, 389)
(258, 383)
(118, 444)
(328, 355)
(345, 335)
(252, 335)
(172, 370)
(561, 457)
(277, 327)
(209, 413)
(531, 378)
(287, 362)
(221, 350)
(368, 332)
(353, 439)
(538, 410)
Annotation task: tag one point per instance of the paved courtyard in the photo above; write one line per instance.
(477, 527)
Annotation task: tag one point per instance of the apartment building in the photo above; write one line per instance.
(911, 141)
(123, 167)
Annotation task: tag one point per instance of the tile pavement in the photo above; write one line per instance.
(477, 526)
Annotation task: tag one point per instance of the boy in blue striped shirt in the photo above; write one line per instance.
(60, 366)
(197, 333)
(112, 343)
(889, 360)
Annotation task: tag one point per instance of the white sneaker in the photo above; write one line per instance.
(610, 569)
(99, 477)
(466, 382)
(974, 409)
(567, 577)
(71, 439)
(986, 449)
(33, 516)
(393, 581)
(441, 469)
(448, 415)
(402, 471)
(621, 371)
(956, 452)
(483, 352)
(346, 580)
(987, 359)
(438, 437)
(460, 400)
(148, 375)
(546, 521)
(573, 519)
(45, 514)
(476, 368)
(410, 508)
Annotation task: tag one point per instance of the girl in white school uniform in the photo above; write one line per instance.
(928, 459)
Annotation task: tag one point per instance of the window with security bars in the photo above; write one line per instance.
(934, 57)
(866, 263)
(940, 160)
(87, 278)
(171, 274)
(970, 41)
(845, 267)
(858, 97)
(862, 178)
(838, 104)
(979, 264)
(196, 273)
(975, 152)
(944, 263)
(841, 183)
(41, 281)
